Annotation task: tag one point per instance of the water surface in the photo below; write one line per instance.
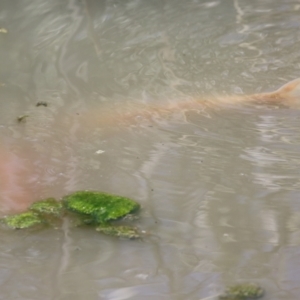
(219, 189)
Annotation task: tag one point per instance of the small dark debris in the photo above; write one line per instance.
(42, 103)
(22, 119)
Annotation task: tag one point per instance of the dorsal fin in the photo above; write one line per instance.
(290, 90)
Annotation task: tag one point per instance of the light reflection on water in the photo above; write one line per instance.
(219, 189)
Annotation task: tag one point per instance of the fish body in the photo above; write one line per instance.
(16, 194)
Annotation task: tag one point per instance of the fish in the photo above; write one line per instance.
(287, 95)
(16, 171)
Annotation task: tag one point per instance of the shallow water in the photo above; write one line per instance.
(219, 189)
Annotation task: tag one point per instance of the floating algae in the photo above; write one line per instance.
(48, 207)
(98, 207)
(82, 207)
(23, 220)
(120, 231)
(243, 291)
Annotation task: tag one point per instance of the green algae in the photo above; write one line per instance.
(48, 206)
(120, 231)
(24, 220)
(243, 291)
(98, 207)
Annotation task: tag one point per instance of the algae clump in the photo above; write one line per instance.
(23, 220)
(243, 291)
(48, 207)
(99, 207)
(83, 207)
(119, 231)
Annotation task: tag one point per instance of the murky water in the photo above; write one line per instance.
(219, 189)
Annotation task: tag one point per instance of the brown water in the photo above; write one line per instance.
(219, 189)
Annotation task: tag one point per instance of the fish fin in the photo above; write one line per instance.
(290, 90)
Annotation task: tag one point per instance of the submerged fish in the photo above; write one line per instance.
(288, 95)
(16, 192)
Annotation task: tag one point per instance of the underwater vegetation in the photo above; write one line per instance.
(96, 209)
(99, 207)
(48, 207)
(119, 231)
(243, 291)
(23, 220)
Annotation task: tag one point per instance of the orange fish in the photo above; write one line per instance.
(288, 95)
(16, 193)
